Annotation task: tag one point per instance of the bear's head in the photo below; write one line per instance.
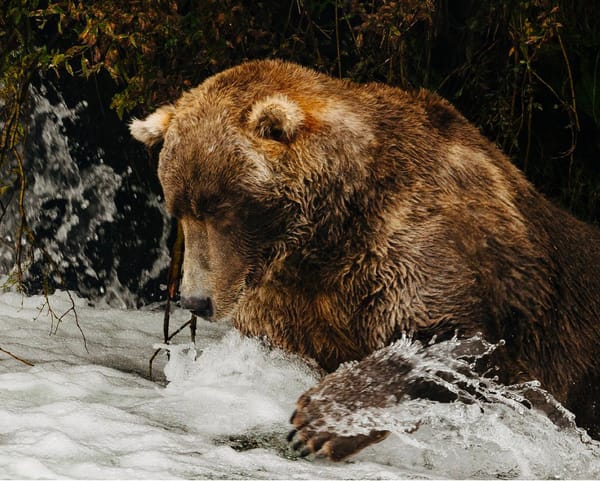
(250, 164)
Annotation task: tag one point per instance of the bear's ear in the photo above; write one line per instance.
(152, 129)
(276, 117)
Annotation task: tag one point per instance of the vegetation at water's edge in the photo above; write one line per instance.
(525, 71)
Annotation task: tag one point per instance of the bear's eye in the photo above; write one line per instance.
(275, 133)
(210, 207)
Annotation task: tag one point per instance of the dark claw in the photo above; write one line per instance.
(293, 416)
(291, 435)
(305, 452)
(318, 441)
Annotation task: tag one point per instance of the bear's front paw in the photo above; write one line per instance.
(312, 436)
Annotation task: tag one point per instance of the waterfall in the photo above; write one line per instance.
(97, 229)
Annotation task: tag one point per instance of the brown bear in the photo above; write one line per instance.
(332, 217)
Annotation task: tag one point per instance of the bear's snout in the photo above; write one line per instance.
(200, 306)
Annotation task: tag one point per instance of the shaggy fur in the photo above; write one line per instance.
(332, 217)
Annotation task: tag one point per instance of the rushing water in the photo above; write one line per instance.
(225, 411)
(97, 229)
(494, 431)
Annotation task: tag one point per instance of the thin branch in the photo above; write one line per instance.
(570, 108)
(56, 319)
(571, 82)
(16, 357)
(23, 227)
(337, 39)
(191, 323)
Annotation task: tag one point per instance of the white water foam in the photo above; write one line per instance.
(225, 412)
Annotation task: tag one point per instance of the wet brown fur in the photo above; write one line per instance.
(382, 212)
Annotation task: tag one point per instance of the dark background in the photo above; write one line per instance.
(525, 72)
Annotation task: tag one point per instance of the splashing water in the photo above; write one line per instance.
(80, 211)
(444, 370)
(486, 430)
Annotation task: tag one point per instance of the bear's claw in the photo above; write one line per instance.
(333, 447)
(307, 439)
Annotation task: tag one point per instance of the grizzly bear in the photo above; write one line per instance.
(332, 217)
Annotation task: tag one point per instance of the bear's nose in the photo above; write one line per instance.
(200, 306)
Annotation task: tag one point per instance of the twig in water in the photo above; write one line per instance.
(56, 319)
(191, 323)
(16, 357)
(173, 277)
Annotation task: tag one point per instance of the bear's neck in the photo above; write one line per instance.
(317, 299)
(316, 302)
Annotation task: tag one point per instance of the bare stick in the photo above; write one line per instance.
(16, 357)
(173, 276)
(191, 322)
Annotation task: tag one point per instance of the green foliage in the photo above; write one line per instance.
(526, 71)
